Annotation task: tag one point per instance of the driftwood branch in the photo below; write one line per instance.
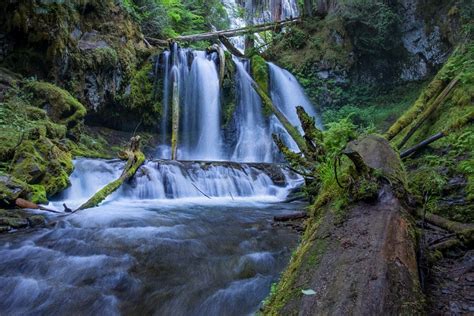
(135, 159)
(422, 144)
(25, 204)
(200, 191)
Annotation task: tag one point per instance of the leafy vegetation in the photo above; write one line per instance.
(169, 18)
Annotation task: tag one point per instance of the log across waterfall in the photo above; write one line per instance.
(200, 134)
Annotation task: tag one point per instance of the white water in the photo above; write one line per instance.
(200, 131)
(247, 12)
(287, 94)
(181, 182)
(254, 142)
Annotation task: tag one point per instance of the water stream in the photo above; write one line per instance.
(157, 246)
(188, 237)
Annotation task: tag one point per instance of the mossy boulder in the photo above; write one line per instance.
(44, 163)
(60, 105)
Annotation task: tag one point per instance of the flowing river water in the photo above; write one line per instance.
(157, 246)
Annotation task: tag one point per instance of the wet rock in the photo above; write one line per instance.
(91, 40)
(10, 190)
(4, 229)
(36, 220)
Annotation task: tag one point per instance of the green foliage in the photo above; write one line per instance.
(169, 18)
(372, 24)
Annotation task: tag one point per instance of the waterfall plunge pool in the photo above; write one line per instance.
(155, 246)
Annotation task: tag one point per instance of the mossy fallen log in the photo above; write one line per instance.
(465, 232)
(429, 111)
(268, 104)
(135, 159)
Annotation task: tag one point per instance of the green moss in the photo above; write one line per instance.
(140, 99)
(259, 70)
(60, 105)
(37, 194)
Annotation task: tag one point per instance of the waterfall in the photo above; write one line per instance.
(287, 94)
(201, 132)
(174, 180)
(254, 143)
(190, 79)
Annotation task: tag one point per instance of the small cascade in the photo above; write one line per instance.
(287, 94)
(254, 143)
(89, 176)
(173, 180)
(184, 180)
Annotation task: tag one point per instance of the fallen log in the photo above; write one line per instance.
(465, 232)
(429, 111)
(290, 217)
(292, 131)
(363, 260)
(461, 122)
(422, 144)
(22, 203)
(231, 48)
(235, 32)
(135, 159)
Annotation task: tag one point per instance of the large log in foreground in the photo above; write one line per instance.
(135, 159)
(359, 260)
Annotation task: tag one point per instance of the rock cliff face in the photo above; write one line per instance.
(91, 48)
(395, 41)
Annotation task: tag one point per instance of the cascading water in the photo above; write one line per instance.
(198, 97)
(287, 94)
(254, 143)
(182, 238)
(198, 93)
(201, 134)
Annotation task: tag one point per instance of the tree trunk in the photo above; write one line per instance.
(175, 120)
(231, 48)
